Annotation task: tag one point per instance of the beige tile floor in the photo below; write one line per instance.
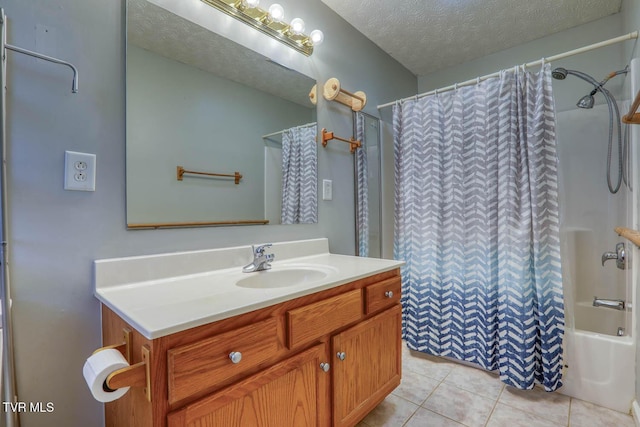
(436, 392)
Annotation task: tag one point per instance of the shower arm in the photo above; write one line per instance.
(74, 83)
(585, 77)
(598, 86)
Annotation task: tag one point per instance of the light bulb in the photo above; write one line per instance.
(297, 26)
(251, 3)
(276, 12)
(316, 37)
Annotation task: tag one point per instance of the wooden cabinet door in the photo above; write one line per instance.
(370, 369)
(292, 393)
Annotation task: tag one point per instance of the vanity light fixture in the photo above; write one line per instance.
(271, 22)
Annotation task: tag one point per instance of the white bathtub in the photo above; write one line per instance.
(601, 369)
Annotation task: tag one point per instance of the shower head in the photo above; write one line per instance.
(586, 101)
(559, 73)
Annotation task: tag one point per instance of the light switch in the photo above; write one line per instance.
(327, 189)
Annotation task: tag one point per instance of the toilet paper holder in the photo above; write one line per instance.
(136, 375)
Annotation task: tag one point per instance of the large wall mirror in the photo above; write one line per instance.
(241, 127)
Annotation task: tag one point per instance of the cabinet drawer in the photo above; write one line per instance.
(203, 364)
(382, 295)
(321, 318)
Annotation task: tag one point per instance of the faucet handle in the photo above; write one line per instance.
(619, 255)
(607, 256)
(259, 249)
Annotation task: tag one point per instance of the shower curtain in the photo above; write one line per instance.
(477, 223)
(362, 201)
(299, 176)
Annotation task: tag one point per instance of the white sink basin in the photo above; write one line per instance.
(285, 276)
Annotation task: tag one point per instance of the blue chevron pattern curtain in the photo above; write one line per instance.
(299, 176)
(477, 223)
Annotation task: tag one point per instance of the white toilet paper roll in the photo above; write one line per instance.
(96, 370)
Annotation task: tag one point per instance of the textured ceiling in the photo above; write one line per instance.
(158, 30)
(428, 35)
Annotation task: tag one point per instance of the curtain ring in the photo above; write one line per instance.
(478, 80)
(455, 86)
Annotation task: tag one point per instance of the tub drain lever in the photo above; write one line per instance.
(616, 304)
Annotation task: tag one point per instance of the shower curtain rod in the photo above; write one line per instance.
(629, 36)
(295, 127)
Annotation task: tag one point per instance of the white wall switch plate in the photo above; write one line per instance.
(327, 189)
(79, 171)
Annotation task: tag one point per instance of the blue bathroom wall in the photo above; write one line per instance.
(56, 234)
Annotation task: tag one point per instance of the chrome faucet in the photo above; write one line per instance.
(619, 255)
(261, 261)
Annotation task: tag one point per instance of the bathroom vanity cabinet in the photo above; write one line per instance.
(323, 359)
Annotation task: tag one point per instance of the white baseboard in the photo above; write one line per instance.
(635, 410)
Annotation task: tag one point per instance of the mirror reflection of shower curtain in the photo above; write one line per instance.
(367, 173)
(299, 176)
(362, 199)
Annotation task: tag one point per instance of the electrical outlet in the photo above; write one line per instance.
(79, 171)
(327, 189)
(80, 165)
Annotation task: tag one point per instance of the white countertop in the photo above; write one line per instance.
(158, 303)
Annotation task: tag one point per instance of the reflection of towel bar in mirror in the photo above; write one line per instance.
(333, 92)
(328, 136)
(237, 176)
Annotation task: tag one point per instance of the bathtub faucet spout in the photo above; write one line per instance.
(616, 304)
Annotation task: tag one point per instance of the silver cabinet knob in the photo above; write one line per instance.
(325, 367)
(235, 356)
(341, 355)
(388, 294)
